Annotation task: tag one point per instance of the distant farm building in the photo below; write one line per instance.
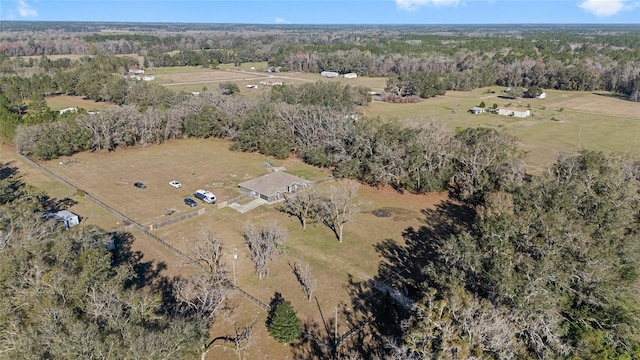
(350, 76)
(67, 218)
(274, 186)
(476, 110)
(329, 74)
(136, 71)
(143, 78)
(69, 109)
(542, 95)
(514, 112)
(271, 82)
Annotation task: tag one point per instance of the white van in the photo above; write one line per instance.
(205, 196)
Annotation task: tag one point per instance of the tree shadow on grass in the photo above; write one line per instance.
(379, 306)
(55, 205)
(7, 170)
(315, 342)
(402, 264)
(148, 273)
(612, 95)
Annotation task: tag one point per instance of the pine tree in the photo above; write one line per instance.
(283, 323)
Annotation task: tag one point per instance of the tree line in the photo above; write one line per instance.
(572, 58)
(82, 293)
(321, 128)
(548, 269)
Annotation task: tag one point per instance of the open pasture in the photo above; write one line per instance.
(194, 78)
(563, 122)
(197, 164)
(60, 102)
(110, 177)
(246, 66)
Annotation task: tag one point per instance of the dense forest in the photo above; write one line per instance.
(515, 266)
(465, 57)
(84, 293)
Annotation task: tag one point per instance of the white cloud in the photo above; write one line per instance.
(280, 20)
(25, 10)
(604, 8)
(414, 4)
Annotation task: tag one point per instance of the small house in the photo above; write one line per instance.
(274, 186)
(476, 110)
(329, 74)
(514, 112)
(67, 218)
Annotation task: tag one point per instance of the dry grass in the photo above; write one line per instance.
(66, 101)
(110, 177)
(563, 122)
(190, 79)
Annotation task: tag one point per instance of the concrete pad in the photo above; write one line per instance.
(248, 206)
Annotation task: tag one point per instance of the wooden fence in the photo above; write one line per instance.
(175, 219)
(132, 224)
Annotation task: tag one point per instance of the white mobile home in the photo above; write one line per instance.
(67, 218)
(329, 74)
(514, 112)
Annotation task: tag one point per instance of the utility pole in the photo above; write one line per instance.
(235, 257)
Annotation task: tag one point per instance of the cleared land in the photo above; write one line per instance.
(194, 78)
(110, 177)
(65, 101)
(563, 122)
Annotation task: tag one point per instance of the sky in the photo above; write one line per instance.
(328, 11)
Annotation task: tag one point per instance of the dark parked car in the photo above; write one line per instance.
(140, 185)
(190, 202)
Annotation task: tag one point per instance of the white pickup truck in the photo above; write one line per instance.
(205, 196)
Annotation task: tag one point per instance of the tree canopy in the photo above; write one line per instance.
(79, 293)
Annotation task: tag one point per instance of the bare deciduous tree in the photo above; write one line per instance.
(242, 340)
(199, 294)
(339, 207)
(303, 274)
(263, 245)
(209, 252)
